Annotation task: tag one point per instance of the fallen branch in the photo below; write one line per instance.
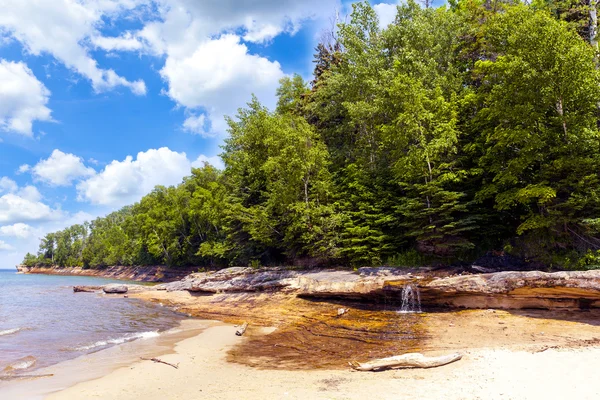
(16, 377)
(242, 329)
(413, 360)
(157, 360)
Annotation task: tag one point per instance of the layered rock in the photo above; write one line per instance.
(506, 290)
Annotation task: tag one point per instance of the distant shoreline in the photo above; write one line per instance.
(139, 274)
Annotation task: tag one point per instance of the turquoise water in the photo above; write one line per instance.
(42, 322)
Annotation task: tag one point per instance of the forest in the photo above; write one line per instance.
(453, 132)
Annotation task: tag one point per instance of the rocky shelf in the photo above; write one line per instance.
(502, 290)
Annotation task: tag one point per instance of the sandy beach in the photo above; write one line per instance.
(204, 373)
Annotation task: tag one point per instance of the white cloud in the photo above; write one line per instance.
(18, 230)
(15, 208)
(23, 168)
(5, 246)
(125, 182)
(208, 68)
(61, 169)
(7, 185)
(125, 42)
(220, 76)
(23, 204)
(386, 13)
(196, 124)
(215, 161)
(62, 28)
(23, 98)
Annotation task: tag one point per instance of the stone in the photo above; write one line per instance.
(115, 288)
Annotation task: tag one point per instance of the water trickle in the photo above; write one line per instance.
(411, 300)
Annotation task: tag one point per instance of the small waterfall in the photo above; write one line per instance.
(411, 300)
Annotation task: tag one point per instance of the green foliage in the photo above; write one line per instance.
(451, 132)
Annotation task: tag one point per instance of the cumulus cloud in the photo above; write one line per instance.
(386, 13)
(18, 230)
(7, 185)
(208, 69)
(215, 161)
(5, 246)
(62, 28)
(61, 169)
(23, 204)
(216, 73)
(23, 168)
(125, 182)
(23, 98)
(15, 208)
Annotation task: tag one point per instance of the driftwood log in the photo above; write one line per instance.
(86, 289)
(242, 329)
(17, 377)
(157, 360)
(409, 360)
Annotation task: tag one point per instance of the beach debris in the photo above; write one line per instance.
(115, 288)
(86, 289)
(19, 377)
(342, 311)
(158, 360)
(411, 360)
(242, 329)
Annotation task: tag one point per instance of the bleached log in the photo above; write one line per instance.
(412, 360)
(242, 329)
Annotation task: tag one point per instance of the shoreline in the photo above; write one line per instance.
(508, 354)
(150, 274)
(205, 373)
(95, 365)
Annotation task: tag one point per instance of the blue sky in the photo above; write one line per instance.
(101, 100)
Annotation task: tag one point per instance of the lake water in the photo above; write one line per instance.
(42, 322)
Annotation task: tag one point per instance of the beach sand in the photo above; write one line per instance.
(204, 373)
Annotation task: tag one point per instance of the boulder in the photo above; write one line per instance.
(115, 288)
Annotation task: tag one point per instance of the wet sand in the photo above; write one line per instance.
(204, 373)
(299, 349)
(95, 365)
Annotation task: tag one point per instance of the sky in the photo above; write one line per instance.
(102, 100)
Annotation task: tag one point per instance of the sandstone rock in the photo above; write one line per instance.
(115, 288)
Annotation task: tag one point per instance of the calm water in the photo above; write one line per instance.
(42, 322)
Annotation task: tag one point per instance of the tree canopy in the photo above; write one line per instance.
(449, 133)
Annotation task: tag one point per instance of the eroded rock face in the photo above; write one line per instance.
(506, 290)
(534, 289)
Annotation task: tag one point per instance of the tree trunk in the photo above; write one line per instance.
(593, 30)
(413, 360)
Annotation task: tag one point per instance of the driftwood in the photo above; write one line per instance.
(342, 311)
(242, 329)
(157, 360)
(17, 377)
(412, 360)
(86, 289)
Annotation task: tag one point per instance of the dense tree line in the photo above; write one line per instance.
(451, 132)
